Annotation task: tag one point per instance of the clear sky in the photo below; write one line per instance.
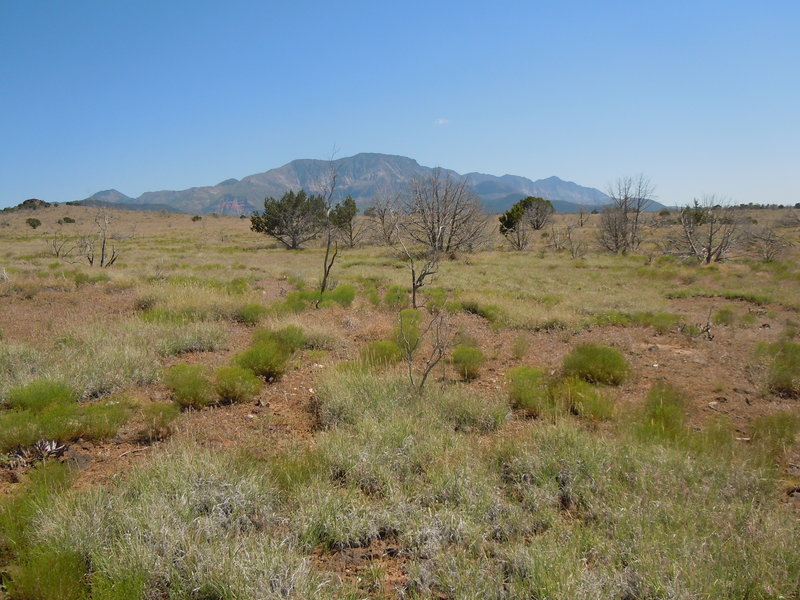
(702, 97)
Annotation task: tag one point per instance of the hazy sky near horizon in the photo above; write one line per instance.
(702, 97)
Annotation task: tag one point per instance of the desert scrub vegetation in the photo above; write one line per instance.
(468, 360)
(48, 410)
(551, 511)
(596, 363)
(235, 384)
(782, 364)
(540, 395)
(101, 359)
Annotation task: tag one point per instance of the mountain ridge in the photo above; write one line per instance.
(362, 176)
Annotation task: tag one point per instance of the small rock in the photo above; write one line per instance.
(81, 460)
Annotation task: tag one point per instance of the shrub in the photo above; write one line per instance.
(582, 399)
(159, 418)
(68, 220)
(396, 297)
(596, 364)
(341, 294)
(724, 316)
(408, 328)
(490, 312)
(520, 347)
(773, 434)
(266, 358)
(783, 372)
(251, 314)
(189, 385)
(528, 390)
(33, 222)
(196, 218)
(236, 384)
(39, 394)
(468, 361)
(292, 337)
(144, 303)
(380, 353)
(663, 418)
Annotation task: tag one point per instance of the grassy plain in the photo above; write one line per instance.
(601, 426)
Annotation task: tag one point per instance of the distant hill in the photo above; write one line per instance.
(29, 204)
(132, 205)
(363, 176)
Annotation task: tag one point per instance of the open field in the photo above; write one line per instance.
(602, 426)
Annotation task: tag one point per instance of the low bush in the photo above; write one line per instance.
(773, 434)
(236, 384)
(266, 358)
(39, 394)
(490, 312)
(380, 353)
(159, 419)
(528, 390)
(783, 370)
(582, 398)
(663, 418)
(251, 314)
(341, 294)
(468, 361)
(409, 329)
(189, 385)
(61, 423)
(596, 363)
(396, 297)
(292, 337)
(724, 316)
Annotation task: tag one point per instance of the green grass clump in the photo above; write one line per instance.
(490, 312)
(342, 295)
(664, 418)
(251, 314)
(528, 389)
(409, 331)
(267, 358)
(39, 394)
(520, 347)
(596, 363)
(62, 423)
(783, 370)
(582, 399)
(396, 297)
(236, 384)
(292, 337)
(189, 385)
(468, 361)
(773, 434)
(724, 316)
(159, 418)
(380, 353)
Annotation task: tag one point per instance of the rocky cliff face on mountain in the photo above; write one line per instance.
(363, 176)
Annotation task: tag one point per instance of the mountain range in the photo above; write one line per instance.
(363, 176)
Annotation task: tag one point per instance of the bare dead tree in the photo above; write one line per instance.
(710, 229)
(621, 221)
(444, 213)
(437, 328)
(87, 245)
(768, 243)
(328, 187)
(384, 214)
(60, 245)
(421, 268)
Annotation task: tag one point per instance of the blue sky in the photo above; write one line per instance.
(702, 97)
